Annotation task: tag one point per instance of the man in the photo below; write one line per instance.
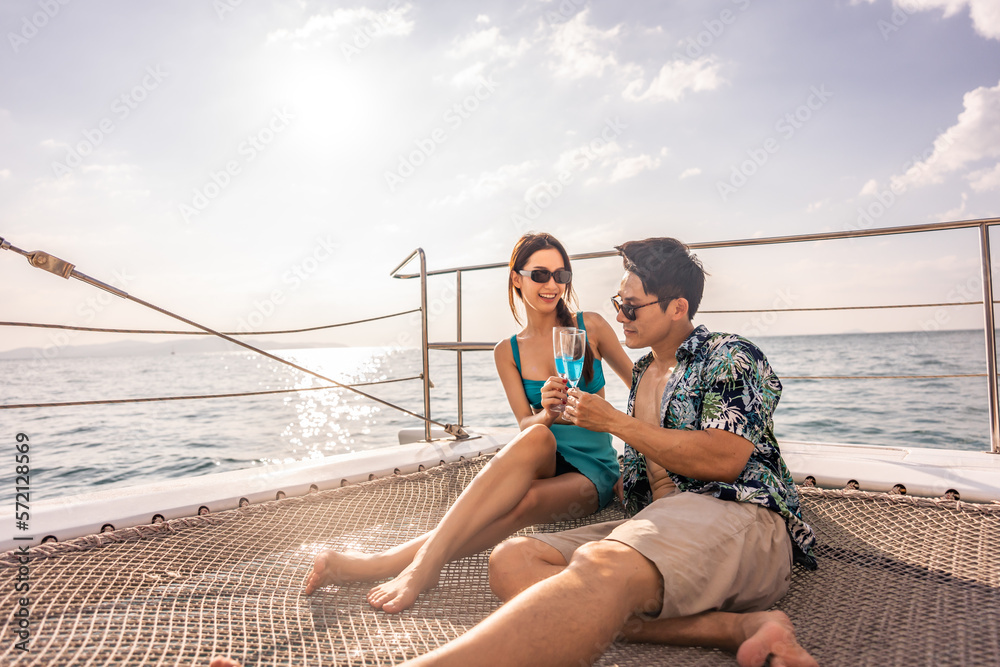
(714, 524)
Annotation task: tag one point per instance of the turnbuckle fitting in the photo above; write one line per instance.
(51, 263)
(41, 260)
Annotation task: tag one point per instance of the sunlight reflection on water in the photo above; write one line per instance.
(82, 448)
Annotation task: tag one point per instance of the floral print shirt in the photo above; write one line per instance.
(724, 381)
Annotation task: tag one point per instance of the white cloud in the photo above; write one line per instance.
(4, 173)
(688, 173)
(109, 169)
(675, 79)
(323, 27)
(469, 75)
(869, 188)
(489, 46)
(482, 18)
(535, 190)
(975, 136)
(632, 166)
(582, 157)
(490, 183)
(52, 144)
(605, 156)
(985, 179)
(957, 212)
(117, 180)
(582, 50)
(986, 17)
(488, 40)
(985, 14)
(477, 41)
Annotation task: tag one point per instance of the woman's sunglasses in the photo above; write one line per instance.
(629, 311)
(542, 276)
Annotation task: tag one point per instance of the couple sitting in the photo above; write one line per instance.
(714, 524)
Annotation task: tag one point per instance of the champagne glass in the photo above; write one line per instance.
(569, 345)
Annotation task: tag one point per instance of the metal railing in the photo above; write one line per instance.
(43, 260)
(459, 346)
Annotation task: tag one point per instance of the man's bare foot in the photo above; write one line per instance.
(401, 592)
(770, 634)
(341, 567)
(220, 661)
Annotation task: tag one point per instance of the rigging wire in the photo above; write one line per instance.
(819, 308)
(64, 269)
(114, 401)
(203, 333)
(70, 327)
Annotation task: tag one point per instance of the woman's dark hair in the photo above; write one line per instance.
(525, 247)
(666, 267)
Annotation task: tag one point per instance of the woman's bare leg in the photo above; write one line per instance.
(511, 492)
(562, 498)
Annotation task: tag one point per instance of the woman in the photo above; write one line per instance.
(537, 286)
(551, 471)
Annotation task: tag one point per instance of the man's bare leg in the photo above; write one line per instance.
(520, 563)
(754, 637)
(592, 597)
(770, 634)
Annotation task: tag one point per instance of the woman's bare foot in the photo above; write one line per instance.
(771, 634)
(401, 592)
(341, 567)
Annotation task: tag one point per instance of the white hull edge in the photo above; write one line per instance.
(924, 472)
(86, 514)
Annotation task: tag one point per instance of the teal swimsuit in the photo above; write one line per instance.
(589, 452)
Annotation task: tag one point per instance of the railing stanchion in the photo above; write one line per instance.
(425, 358)
(991, 344)
(458, 337)
(460, 346)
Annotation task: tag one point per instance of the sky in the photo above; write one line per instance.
(265, 165)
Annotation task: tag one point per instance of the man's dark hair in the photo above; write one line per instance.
(667, 268)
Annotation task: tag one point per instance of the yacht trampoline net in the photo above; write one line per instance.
(901, 581)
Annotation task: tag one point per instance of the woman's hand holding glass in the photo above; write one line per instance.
(554, 396)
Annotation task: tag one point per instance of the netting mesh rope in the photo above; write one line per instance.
(902, 581)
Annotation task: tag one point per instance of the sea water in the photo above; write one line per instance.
(78, 449)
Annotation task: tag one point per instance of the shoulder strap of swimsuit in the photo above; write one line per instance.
(516, 351)
(579, 321)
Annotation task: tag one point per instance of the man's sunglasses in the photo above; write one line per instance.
(629, 311)
(542, 276)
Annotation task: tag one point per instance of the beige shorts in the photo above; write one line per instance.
(712, 554)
